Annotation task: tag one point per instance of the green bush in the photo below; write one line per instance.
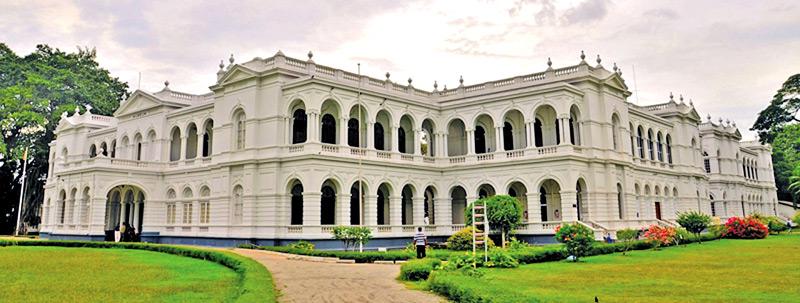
(451, 285)
(694, 222)
(418, 269)
(577, 239)
(515, 244)
(256, 282)
(352, 235)
(626, 237)
(775, 225)
(717, 230)
(505, 214)
(497, 257)
(302, 245)
(796, 218)
(462, 240)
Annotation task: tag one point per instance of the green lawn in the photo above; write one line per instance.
(720, 271)
(57, 274)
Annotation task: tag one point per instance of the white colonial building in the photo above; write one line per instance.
(275, 152)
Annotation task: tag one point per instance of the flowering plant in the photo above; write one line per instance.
(577, 239)
(660, 235)
(745, 228)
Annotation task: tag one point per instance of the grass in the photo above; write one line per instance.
(56, 274)
(718, 271)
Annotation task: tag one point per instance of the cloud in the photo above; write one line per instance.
(729, 58)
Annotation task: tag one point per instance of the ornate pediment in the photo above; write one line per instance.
(237, 73)
(141, 101)
(616, 81)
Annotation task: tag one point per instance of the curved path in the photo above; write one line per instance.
(307, 281)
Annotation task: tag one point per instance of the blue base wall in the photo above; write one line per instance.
(324, 244)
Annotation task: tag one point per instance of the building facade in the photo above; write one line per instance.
(283, 149)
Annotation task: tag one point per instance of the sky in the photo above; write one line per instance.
(729, 57)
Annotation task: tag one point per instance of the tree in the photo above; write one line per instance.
(786, 160)
(694, 222)
(782, 110)
(577, 239)
(505, 214)
(627, 236)
(352, 235)
(34, 91)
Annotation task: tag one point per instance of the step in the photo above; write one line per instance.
(478, 207)
(479, 215)
(479, 242)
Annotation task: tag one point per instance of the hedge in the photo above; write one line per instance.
(359, 257)
(420, 269)
(447, 283)
(255, 281)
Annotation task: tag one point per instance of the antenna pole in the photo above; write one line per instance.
(635, 86)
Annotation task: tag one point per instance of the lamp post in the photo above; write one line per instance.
(21, 191)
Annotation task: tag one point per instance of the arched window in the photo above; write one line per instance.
(299, 126)
(574, 126)
(640, 141)
(357, 199)
(620, 203)
(114, 148)
(104, 149)
(508, 136)
(175, 145)
(328, 129)
(650, 144)
(706, 163)
(558, 132)
(719, 161)
(353, 133)
(615, 131)
(171, 208)
(208, 138)
(537, 132)
(458, 201)
(191, 142)
(297, 204)
(137, 145)
(401, 140)
(328, 205)
(240, 128)
(378, 130)
(480, 140)
(92, 151)
(205, 205)
(633, 143)
(543, 203)
(669, 149)
(187, 206)
(238, 204)
(660, 148)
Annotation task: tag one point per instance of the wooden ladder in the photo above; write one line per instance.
(480, 230)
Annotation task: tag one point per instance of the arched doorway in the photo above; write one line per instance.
(485, 191)
(407, 199)
(328, 204)
(384, 192)
(297, 203)
(458, 198)
(519, 191)
(430, 195)
(124, 204)
(580, 199)
(357, 198)
(550, 201)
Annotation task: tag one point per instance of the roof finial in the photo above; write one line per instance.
(221, 64)
(445, 88)
(409, 81)
(461, 80)
(671, 97)
(681, 98)
(549, 63)
(231, 59)
(583, 56)
(598, 59)
(728, 122)
(720, 120)
(166, 84)
(708, 117)
(310, 55)
(691, 103)
(734, 123)
(619, 71)
(435, 85)
(615, 67)
(388, 75)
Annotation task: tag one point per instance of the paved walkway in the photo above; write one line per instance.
(306, 281)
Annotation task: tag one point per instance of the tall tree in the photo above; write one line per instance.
(786, 159)
(34, 91)
(783, 109)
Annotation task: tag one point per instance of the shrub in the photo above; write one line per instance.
(747, 228)
(717, 230)
(515, 244)
(496, 258)
(352, 235)
(626, 237)
(659, 236)
(451, 285)
(302, 245)
(694, 222)
(577, 239)
(775, 225)
(418, 269)
(796, 218)
(505, 214)
(462, 240)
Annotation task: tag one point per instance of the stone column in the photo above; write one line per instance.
(394, 141)
(529, 134)
(136, 214)
(343, 209)
(199, 153)
(311, 208)
(443, 211)
(182, 150)
(498, 139)
(343, 131)
(395, 210)
(417, 142)
(470, 142)
(371, 135)
(445, 148)
(371, 209)
(534, 207)
(568, 211)
(123, 213)
(418, 214)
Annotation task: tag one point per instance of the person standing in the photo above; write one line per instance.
(421, 241)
